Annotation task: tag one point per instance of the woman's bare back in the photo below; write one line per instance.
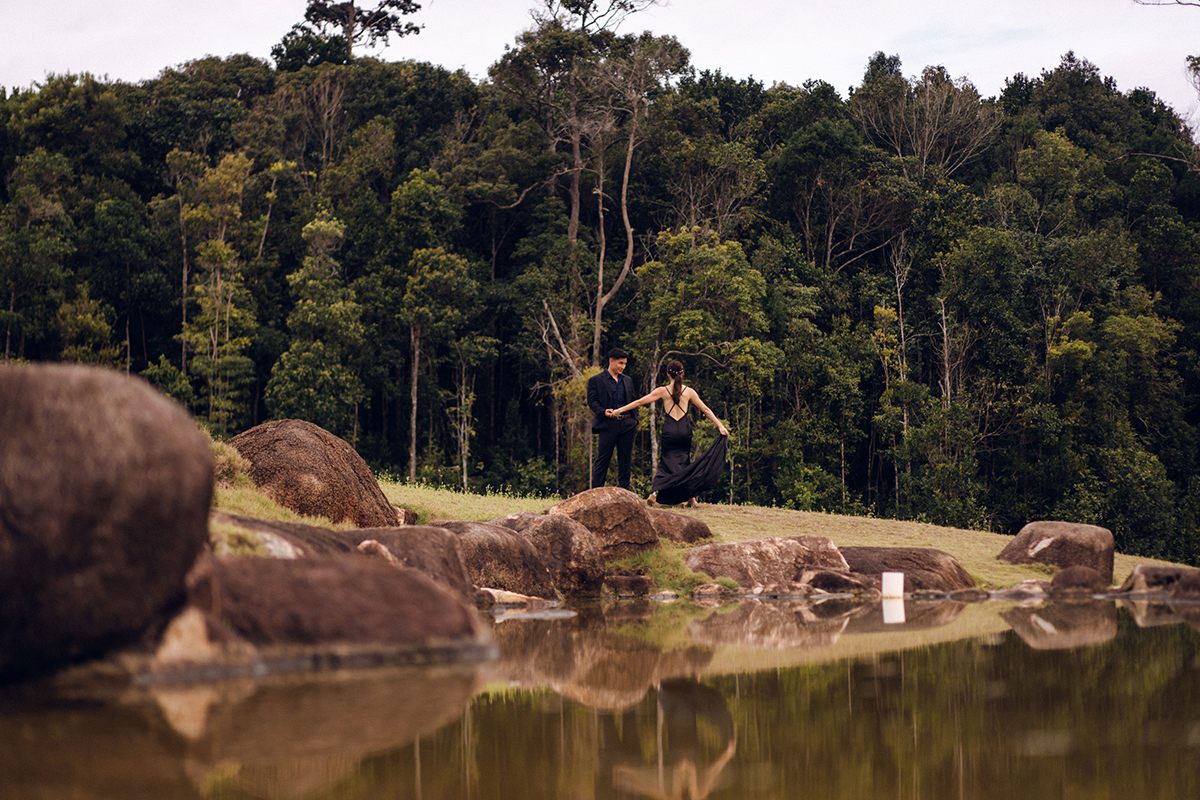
(672, 410)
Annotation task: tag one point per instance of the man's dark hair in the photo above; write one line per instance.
(617, 353)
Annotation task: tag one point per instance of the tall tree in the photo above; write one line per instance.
(315, 379)
(36, 236)
(437, 297)
(355, 25)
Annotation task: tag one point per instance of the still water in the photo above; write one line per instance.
(1091, 699)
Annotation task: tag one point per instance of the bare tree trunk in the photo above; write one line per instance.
(415, 338)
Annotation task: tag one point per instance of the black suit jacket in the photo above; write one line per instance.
(599, 398)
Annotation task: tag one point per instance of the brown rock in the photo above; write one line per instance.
(761, 562)
(311, 471)
(1151, 578)
(1078, 579)
(678, 527)
(1062, 544)
(821, 552)
(836, 581)
(434, 551)
(519, 522)
(570, 551)
(925, 569)
(629, 585)
(1188, 586)
(285, 539)
(616, 516)
(105, 486)
(500, 558)
(332, 600)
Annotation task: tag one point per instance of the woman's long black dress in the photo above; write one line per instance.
(679, 479)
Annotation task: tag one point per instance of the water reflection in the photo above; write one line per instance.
(1062, 625)
(760, 699)
(683, 769)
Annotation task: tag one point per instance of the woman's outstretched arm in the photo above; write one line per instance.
(721, 429)
(642, 401)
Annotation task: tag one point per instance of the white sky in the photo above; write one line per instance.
(771, 40)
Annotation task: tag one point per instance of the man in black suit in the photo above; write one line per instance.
(608, 390)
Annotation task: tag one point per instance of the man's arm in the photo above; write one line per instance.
(593, 395)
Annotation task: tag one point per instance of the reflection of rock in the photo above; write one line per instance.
(765, 561)
(292, 737)
(1062, 544)
(924, 568)
(616, 516)
(1149, 614)
(583, 660)
(918, 615)
(105, 487)
(769, 626)
(306, 468)
(90, 750)
(1061, 625)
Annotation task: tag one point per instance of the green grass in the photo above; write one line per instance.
(432, 503)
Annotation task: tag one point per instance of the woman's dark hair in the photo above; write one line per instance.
(675, 373)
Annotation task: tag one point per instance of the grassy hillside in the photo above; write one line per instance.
(976, 550)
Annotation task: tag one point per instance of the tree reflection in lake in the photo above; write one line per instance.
(1079, 699)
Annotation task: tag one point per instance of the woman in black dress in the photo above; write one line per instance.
(678, 479)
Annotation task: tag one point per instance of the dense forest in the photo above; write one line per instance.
(912, 301)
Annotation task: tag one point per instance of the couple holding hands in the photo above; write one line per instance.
(610, 395)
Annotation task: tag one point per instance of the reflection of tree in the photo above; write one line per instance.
(682, 704)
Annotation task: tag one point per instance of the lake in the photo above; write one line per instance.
(774, 699)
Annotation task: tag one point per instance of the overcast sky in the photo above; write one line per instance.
(788, 41)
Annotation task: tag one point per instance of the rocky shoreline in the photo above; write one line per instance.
(106, 554)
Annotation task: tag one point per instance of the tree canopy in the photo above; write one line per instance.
(911, 301)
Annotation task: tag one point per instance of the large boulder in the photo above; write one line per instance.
(678, 527)
(1062, 544)
(105, 487)
(617, 516)
(500, 558)
(570, 551)
(333, 601)
(309, 470)
(766, 561)
(924, 568)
